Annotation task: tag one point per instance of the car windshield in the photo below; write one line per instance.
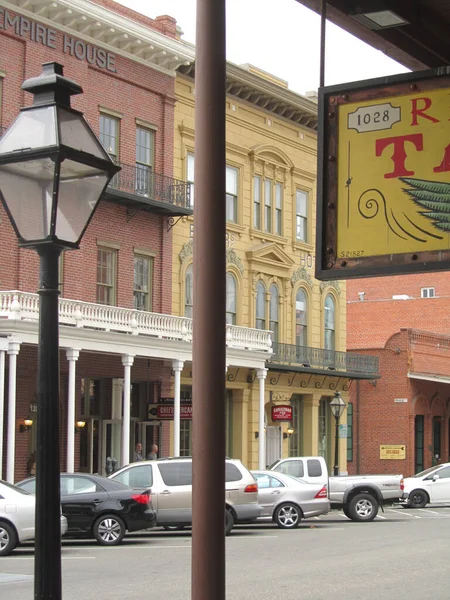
(426, 472)
(273, 465)
(15, 488)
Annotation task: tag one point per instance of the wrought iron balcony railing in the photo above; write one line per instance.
(319, 358)
(140, 180)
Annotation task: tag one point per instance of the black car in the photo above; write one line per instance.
(100, 507)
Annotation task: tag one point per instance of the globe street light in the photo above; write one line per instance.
(53, 172)
(337, 406)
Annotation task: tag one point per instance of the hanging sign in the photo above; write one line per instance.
(282, 412)
(384, 176)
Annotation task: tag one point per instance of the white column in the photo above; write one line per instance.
(2, 403)
(72, 356)
(262, 374)
(13, 351)
(127, 361)
(177, 366)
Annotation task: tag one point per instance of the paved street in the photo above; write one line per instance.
(400, 554)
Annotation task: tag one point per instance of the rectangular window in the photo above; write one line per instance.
(190, 176)
(257, 202)
(232, 193)
(142, 286)
(350, 431)
(427, 292)
(279, 209)
(109, 135)
(268, 205)
(144, 161)
(106, 276)
(301, 222)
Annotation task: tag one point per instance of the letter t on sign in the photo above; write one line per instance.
(399, 156)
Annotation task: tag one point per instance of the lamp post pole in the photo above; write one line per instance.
(47, 562)
(336, 448)
(53, 173)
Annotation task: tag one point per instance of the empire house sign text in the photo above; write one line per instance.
(48, 37)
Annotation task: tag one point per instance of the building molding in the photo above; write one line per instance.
(112, 31)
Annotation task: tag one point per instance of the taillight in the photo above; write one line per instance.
(322, 493)
(402, 484)
(141, 498)
(251, 488)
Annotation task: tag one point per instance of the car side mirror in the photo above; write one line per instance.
(435, 477)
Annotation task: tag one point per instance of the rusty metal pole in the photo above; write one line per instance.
(208, 519)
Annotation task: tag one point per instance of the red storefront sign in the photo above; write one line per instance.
(282, 413)
(167, 411)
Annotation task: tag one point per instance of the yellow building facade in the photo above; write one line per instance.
(271, 153)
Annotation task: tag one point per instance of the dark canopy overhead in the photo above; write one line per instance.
(412, 32)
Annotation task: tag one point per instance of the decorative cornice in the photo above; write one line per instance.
(233, 258)
(186, 251)
(333, 284)
(301, 274)
(266, 95)
(103, 27)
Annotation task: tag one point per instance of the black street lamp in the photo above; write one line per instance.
(53, 172)
(337, 406)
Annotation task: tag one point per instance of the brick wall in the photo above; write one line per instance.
(136, 92)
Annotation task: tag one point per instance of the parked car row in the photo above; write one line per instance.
(146, 494)
(149, 493)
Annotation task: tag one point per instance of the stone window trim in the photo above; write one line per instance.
(146, 253)
(145, 124)
(110, 112)
(108, 245)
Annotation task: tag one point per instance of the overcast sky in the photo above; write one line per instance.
(283, 38)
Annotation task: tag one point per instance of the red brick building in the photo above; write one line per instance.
(405, 321)
(119, 282)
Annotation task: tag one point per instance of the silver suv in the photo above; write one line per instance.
(170, 480)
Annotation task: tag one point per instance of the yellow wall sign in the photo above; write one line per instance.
(384, 184)
(392, 452)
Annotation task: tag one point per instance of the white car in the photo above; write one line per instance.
(17, 510)
(431, 485)
(288, 499)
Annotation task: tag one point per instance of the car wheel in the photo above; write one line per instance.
(8, 539)
(362, 507)
(346, 513)
(288, 516)
(229, 521)
(109, 530)
(418, 499)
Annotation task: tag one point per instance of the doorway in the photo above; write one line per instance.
(273, 443)
(149, 433)
(437, 429)
(418, 443)
(90, 450)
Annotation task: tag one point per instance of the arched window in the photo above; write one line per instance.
(189, 292)
(273, 315)
(231, 299)
(301, 319)
(330, 323)
(260, 305)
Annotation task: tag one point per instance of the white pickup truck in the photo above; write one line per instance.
(359, 496)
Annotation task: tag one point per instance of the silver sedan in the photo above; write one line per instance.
(288, 500)
(17, 513)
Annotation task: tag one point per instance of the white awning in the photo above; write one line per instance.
(430, 377)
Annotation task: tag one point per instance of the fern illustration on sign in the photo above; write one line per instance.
(433, 197)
